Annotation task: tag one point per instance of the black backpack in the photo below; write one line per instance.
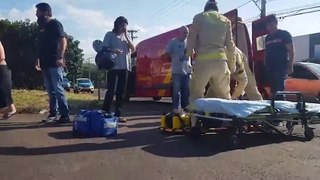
(105, 59)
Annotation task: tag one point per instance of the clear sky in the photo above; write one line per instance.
(88, 20)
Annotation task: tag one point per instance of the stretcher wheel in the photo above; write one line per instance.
(195, 132)
(289, 126)
(308, 134)
(234, 141)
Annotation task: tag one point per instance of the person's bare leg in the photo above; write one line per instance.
(10, 110)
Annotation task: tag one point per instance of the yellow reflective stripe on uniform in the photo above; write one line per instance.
(213, 55)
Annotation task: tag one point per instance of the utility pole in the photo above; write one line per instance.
(131, 32)
(263, 8)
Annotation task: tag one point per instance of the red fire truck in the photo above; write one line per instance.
(151, 75)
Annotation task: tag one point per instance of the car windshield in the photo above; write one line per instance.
(315, 67)
(87, 81)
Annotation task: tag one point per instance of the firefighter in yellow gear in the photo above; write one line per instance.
(210, 38)
(238, 74)
(251, 90)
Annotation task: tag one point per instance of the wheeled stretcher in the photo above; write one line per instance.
(234, 117)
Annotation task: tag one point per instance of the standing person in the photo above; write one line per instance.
(210, 37)
(118, 41)
(6, 102)
(52, 46)
(279, 55)
(181, 69)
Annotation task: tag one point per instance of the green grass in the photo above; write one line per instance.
(34, 101)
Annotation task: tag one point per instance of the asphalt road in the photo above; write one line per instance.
(31, 150)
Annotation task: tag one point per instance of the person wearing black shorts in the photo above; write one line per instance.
(6, 103)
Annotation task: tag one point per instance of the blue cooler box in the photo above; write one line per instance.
(103, 125)
(95, 124)
(81, 124)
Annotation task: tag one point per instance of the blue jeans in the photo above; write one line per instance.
(53, 78)
(180, 90)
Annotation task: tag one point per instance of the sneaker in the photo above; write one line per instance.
(50, 118)
(122, 120)
(63, 120)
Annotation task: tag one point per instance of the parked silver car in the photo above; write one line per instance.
(83, 85)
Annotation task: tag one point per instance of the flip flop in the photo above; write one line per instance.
(8, 115)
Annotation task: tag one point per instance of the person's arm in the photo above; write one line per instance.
(229, 43)
(193, 37)
(62, 42)
(37, 65)
(290, 48)
(62, 49)
(130, 44)
(2, 53)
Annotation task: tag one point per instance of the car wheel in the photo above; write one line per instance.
(92, 92)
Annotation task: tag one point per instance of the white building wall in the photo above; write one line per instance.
(302, 45)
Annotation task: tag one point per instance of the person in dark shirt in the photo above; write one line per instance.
(279, 55)
(52, 46)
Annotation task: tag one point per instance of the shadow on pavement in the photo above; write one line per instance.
(8, 126)
(31, 125)
(144, 125)
(146, 108)
(152, 141)
(138, 109)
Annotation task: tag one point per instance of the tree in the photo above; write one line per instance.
(74, 59)
(20, 41)
(90, 70)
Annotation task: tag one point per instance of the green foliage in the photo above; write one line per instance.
(90, 70)
(20, 41)
(74, 59)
